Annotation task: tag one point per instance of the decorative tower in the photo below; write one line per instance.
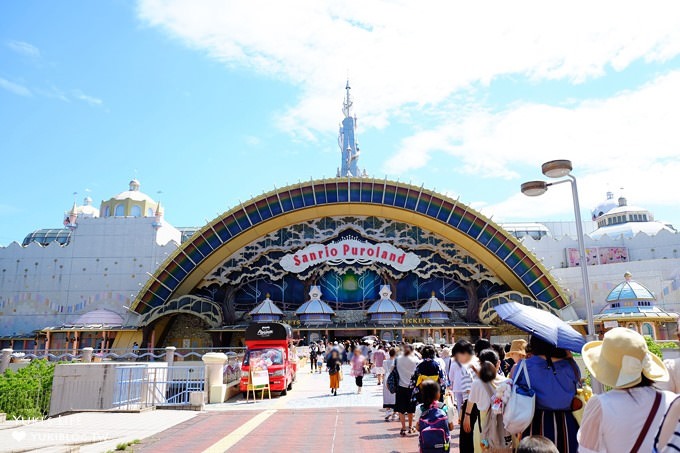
(349, 148)
(435, 310)
(72, 217)
(315, 311)
(266, 311)
(158, 216)
(386, 310)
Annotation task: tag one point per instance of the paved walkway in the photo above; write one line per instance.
(308, 418)
(90, 432)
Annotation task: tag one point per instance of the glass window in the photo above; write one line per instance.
(265, 357)
(149, 212)
(107, 211)
(647, 329)
(119, 211)
(136, 211)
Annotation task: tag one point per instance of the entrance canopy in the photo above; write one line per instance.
(495, 250)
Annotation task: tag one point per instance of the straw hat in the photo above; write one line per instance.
(621, 359)
(518, 346)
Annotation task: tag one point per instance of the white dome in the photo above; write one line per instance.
(604, 207)
(630, 229)
(134, 193)
(100, 316)
(87, 210)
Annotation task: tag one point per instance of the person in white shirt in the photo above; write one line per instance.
(627, 417)
(460, 381)
(406, 365)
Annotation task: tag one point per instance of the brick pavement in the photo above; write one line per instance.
(307, 419)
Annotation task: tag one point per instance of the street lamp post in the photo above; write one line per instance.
(562, 169)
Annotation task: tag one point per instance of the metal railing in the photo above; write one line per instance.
(122, 354)
(138, 387)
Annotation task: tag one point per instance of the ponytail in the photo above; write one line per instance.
(488, 360)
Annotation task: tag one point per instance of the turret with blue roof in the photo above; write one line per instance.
(315, 311)
(631, 304)
(266, 311)
(385, 310)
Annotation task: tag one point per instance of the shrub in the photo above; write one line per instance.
(668, 345)
(653, 347)
(25, 394)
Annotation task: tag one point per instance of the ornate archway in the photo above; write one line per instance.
(492, 246)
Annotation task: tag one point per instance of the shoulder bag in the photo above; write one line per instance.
(393, 379)
(648, 423)
(519, 410)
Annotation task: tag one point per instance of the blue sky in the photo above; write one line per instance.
(213, 102)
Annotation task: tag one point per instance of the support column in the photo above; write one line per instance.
(5, 359)
(87, 355)
(47, 342)
(76, 343)
(170, 354)
(214, 381)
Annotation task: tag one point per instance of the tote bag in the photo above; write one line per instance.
(393, 379)
(519, 410)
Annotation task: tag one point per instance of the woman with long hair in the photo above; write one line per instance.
(482, 391)
(627, 417)
(554, 377)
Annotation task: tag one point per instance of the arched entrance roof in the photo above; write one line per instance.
(497, 249)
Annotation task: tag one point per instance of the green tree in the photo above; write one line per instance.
(25, 394)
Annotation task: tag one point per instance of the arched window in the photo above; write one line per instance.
(136, 211)
(119, 211)
(647, 329)
(149, 212)
(107, 211)
(632, 326)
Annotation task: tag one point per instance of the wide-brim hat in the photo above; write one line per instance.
(622, 358)
(518, 346)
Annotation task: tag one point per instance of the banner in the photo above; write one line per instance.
(350, 251)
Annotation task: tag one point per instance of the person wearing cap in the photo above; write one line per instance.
(627, 417)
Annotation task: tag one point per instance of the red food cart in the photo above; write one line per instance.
(268, 346)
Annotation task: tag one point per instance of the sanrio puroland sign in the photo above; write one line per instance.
(350, 251)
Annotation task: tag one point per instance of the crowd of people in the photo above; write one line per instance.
(436, 390)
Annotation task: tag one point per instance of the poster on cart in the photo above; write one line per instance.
(259, 362)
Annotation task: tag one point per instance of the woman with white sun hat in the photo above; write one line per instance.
(627, 417)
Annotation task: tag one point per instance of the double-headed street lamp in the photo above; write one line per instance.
(562, 169)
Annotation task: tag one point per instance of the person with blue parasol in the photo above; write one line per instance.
(553, 373)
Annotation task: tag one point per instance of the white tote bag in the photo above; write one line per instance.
(519, 410)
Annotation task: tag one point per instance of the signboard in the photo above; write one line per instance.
(268, 331)
(350, 251)
(259, 378)
(598, 255)
(611, 324)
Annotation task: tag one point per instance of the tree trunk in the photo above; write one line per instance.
(471, 288)
(228, 307)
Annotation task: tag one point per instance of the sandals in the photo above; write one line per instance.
(412, 430)
(402, 433)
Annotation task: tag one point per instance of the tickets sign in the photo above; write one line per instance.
(350, 251)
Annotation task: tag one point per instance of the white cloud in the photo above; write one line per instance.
(15, 88)
(414, 54)
(629, 140)
(91, 100)
(23, 48)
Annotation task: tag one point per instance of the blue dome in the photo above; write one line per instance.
(315, 306)
(266, 307)
(629, 290)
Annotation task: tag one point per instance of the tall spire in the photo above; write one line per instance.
(347, 105)
(349, 147)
